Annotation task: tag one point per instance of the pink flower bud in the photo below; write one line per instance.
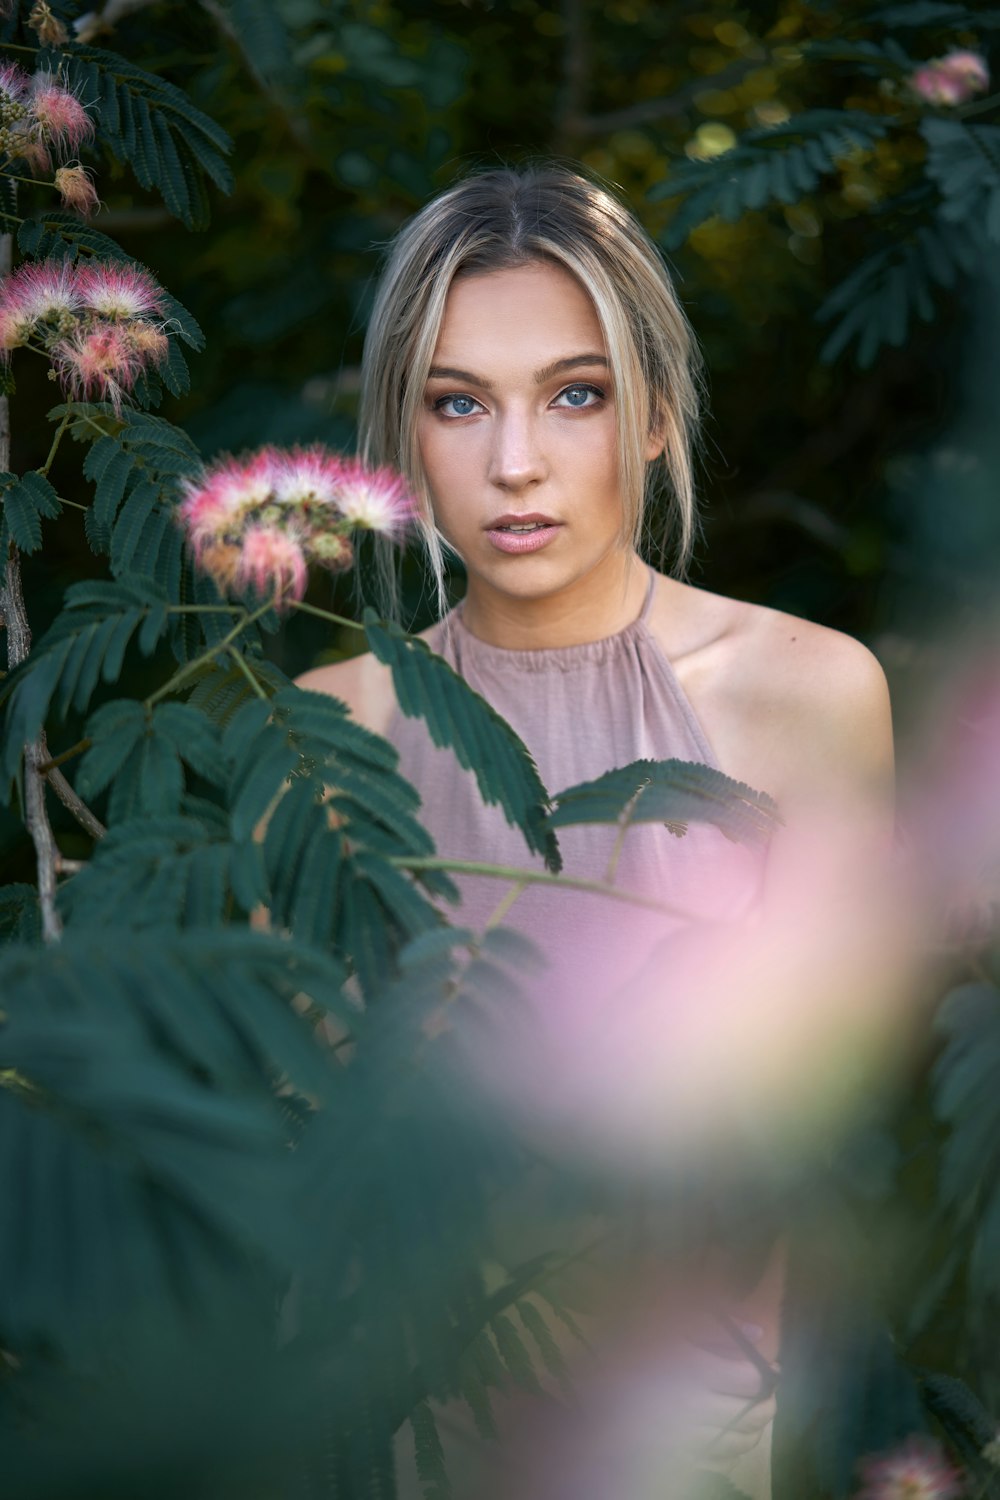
(99, 364)
(77, 191)
(47, 27)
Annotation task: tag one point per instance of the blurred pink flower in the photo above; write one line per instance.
(61, 118)
(76, 190)
(951, 79)
(308, 477)
(272, 561)
(118, 290)
(374, 499)
(301, 493)
(918, 1470)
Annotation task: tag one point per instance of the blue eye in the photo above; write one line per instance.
(585, 390)
(443, 401)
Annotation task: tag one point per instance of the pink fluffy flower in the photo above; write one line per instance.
(225, 494)
(917, 1470)
(272, 560)
(62, 120)
(101, 364)
(47, 27)
(308, 477)
(951, 79)
(15, 85)
(77, 190)
(119, 290)
(374, 499)
(37, 292)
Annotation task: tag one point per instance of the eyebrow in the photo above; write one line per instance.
(572, 362)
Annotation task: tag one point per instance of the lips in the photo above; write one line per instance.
(511, 521)
(515, 534)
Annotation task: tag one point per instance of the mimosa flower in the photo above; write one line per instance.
(119, 290)
(48, 28)
(374, 499)
(77, 191)
(101, 363)
(301, 494)
(15, 85)
(951, 79)
(37, 292)
(916, 1471)
(308, 476)
(62, 119)
(272, 561)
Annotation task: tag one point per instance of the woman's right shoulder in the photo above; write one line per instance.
(363, 683)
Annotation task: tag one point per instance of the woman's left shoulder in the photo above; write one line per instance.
(776, 690)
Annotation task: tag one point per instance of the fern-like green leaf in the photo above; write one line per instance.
(963, 161)
(153, 126)
(85, 643)
(431, 1469)
(25, 501)
(877, 302)
(780, 163)
(675, 792)
(456, 716)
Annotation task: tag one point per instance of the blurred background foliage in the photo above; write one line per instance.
(347, 116)
(855, 487)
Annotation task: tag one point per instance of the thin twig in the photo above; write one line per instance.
(532, 877)
(624, 824)
(75, 804)
(18, 645)
(49, 765)
(46, 466)
(325, 614)
(238, 658)
(218, 649)
(504, 906)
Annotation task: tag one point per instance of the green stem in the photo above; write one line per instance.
(74, 504)
(11, 218)
(32, 181)
(325, 614)
(61, 759)
(240, 661)
(46, 466)
(205, 609)
(531, 877)
(189, 668)
(504, 906)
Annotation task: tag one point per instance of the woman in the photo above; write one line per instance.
(529, 367)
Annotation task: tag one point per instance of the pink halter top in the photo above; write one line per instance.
(581, 710)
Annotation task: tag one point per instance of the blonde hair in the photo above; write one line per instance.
(507, 217)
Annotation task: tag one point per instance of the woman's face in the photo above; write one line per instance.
(517, 430)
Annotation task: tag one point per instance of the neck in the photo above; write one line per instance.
(601, 603)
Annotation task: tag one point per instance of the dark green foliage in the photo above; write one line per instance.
(85, 645)
(26, 499)
(875, 305)
(117, 1127)
(147, 122)
(966, 1096)
(674, 792)
(963, 162)
(428, 688)
(780, 164)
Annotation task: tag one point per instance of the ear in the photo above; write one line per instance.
(656, 441)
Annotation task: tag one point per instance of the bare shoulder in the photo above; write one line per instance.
(777, 694)
(362, 682)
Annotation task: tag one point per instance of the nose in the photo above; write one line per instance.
(517, 459)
